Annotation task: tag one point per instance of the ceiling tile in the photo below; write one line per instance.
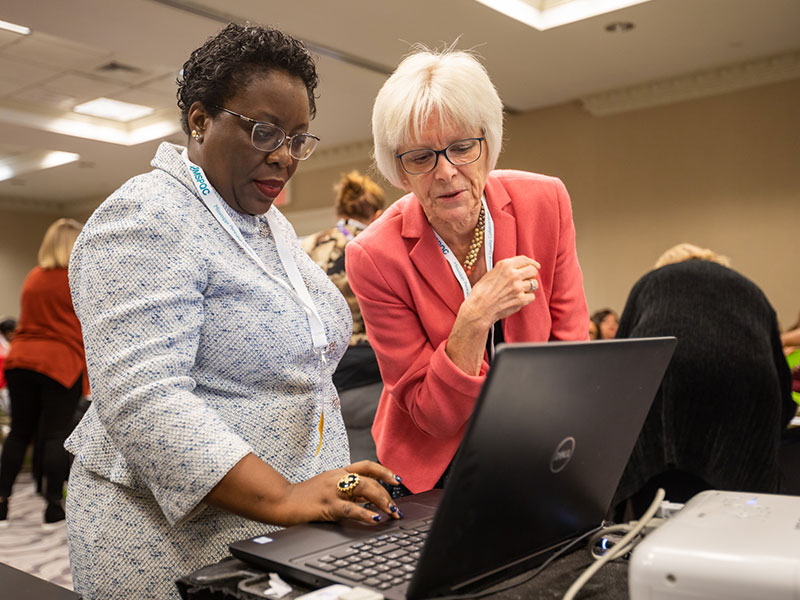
(123, 71)
(43, 96)
(83, 86)
(7, 37)
(166, 84)
(147, 97)
(51, 51)
(15, 74)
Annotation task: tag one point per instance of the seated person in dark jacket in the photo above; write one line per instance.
(717, 418)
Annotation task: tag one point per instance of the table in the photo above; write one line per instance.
(24, 586)
(219, 581)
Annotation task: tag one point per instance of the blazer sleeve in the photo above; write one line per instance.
(421, 379)
(138, 292)
(568, 309)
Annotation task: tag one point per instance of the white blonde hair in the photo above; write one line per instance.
(57, 243)
(450, 83)
(686, 251)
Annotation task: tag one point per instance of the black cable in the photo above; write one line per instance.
(507, 585)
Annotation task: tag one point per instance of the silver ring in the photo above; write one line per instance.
(534, 285)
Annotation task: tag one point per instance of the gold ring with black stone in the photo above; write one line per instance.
(347, 485)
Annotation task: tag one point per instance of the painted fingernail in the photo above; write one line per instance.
(376, 518)
(398, 478)
(400, 514)
(393, 508)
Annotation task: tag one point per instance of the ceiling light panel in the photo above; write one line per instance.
(116, 110)
(544, 14)
(34, 160)
(14, 28)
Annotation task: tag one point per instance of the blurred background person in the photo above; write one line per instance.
(359, 201)
(7, 327)
(718, 416)
(593, 331)
(791, 348)
(45, 372)
(607, 322)
(472, 256)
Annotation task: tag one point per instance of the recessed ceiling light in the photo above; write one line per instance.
(116, 110)
(35, 160)
(546, 14)
(619, 26)
(21, 29)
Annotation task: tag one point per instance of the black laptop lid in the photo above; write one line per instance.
(549, 438)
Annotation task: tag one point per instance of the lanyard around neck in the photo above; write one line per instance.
(488, 244)
(214, 203)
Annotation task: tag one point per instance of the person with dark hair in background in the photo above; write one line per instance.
(45, 372)
(471, 257)
(717, 418)
(211, 338)
(359, 201)
(606, 321)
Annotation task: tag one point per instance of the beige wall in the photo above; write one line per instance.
(722, 172)
(20, 237)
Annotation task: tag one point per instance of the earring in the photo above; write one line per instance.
(195, 135)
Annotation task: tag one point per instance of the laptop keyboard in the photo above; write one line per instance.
(383, 561)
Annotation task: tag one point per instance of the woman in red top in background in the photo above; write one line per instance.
(45, 371)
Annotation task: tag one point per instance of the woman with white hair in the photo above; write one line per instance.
(469, 258)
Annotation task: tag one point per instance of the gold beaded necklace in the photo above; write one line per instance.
(475, 245)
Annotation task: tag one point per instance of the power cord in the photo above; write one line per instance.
(622, 547)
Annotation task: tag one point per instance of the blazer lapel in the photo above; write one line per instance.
(428, 258)
(505, 224)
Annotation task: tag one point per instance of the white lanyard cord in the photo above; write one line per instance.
(488, 245)
(213, 202)
(458, 270)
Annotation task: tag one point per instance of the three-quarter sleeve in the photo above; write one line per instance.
(138, 291)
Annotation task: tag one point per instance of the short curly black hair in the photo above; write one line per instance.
(228, 60)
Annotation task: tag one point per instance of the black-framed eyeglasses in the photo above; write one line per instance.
(424, 160)
(268, 137)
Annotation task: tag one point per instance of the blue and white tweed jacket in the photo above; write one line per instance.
(195, 356)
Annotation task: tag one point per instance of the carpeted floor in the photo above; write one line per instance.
(25, 546)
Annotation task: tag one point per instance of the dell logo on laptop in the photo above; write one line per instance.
(562, 454)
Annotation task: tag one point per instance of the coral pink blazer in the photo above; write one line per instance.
(409, 298)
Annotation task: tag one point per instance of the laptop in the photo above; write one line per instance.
(545, 448)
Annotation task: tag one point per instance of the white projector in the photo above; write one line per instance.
(731, 545)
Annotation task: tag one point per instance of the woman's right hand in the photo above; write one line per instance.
(318, 498)
(505, 289)
(501, 292)
(254, 490)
